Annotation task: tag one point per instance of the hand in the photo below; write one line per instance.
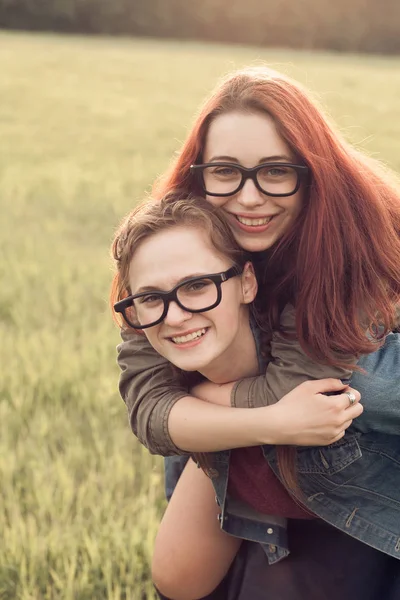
(307, 417)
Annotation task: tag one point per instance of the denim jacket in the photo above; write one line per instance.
(353, 484)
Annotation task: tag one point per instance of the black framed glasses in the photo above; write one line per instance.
(195, 295)
(276, 179)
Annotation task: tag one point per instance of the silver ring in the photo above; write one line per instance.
(352, 398)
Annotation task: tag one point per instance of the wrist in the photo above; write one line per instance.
(267, 425)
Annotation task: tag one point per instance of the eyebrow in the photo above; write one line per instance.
(155, 288)
(264, 159)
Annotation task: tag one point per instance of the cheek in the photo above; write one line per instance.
(297, 203)
(228, 318)
(215, 201)
(291, 210)
(152, 336)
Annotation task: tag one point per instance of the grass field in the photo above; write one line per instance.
(86, 124)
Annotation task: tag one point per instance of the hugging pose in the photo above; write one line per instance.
(258, 284)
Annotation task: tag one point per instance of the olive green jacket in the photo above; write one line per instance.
(150, 387)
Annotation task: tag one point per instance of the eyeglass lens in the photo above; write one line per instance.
(227, 179)
(194, 296)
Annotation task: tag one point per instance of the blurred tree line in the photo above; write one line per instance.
(346, 25)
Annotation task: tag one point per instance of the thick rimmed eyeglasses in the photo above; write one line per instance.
(276, 179)
(195, 295)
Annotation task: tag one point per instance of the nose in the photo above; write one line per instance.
(249, 196)
(176, 315)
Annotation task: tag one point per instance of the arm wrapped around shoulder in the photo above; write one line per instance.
(289, 366)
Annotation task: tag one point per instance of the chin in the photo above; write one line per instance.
(255, 245)
(191, 365)
(188, 368)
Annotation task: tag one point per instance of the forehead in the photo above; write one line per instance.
(168, 256)
(248, 137)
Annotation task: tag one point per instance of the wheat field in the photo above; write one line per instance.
(86, 124)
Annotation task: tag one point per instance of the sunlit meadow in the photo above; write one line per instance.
(86, 124)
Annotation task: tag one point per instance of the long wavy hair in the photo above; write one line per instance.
(339, 263)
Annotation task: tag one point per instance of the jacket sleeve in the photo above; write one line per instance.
(289, 366)
(149, 388)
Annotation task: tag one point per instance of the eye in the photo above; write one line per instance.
(200, 286)
(225, 171)
(197, 286)
(277, 171)
(149, 299)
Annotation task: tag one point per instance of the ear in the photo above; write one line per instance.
(249, 283)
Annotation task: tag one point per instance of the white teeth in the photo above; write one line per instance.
(253, 222)
(181, 339)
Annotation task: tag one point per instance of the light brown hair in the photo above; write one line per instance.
(150, 217)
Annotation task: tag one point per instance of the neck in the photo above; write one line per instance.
(239, 360)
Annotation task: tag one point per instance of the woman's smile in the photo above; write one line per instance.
(249, 222)
(193, 341)
(258, 220)
(188, 339)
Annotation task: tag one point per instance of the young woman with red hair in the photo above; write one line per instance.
(322, 221)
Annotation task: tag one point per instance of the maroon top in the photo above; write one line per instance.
(252, 480)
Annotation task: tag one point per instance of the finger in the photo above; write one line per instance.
(321, 386)
(337, 437)
(354, 411)
(346, 425)
(343, 400)
(352, 391)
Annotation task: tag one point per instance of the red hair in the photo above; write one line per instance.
(339, 264)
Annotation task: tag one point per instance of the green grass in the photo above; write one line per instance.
(86, 124)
